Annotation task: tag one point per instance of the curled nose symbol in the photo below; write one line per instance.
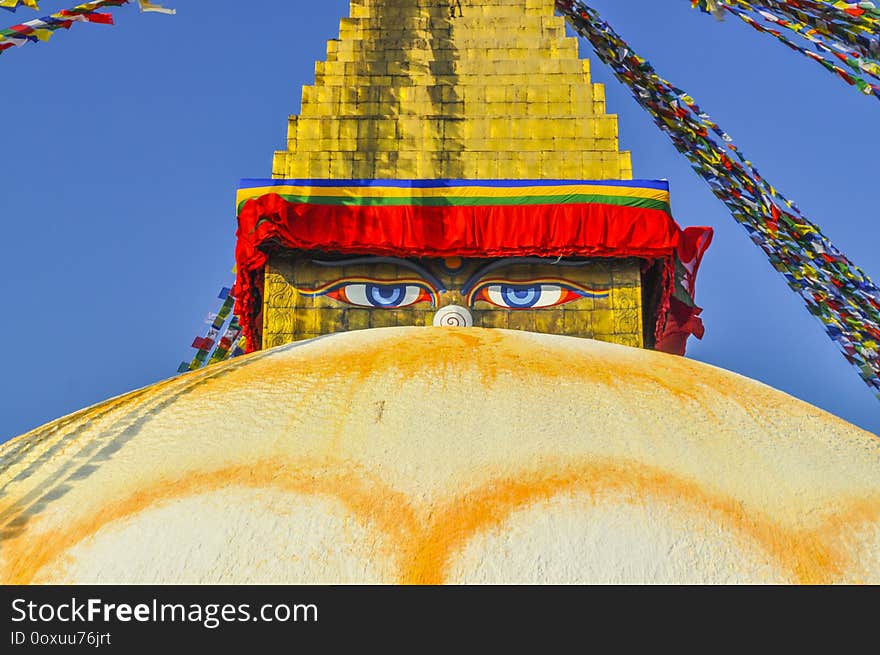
(453, 316)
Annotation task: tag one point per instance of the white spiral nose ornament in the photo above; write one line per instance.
(453, 316)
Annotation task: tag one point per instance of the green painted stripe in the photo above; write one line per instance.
(591, 199)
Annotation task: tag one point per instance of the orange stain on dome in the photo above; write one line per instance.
(805, 555)
(381, 509)
(424, 539)
(493, 354)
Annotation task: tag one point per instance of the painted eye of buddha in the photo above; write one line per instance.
(530, 294)
(377, 294)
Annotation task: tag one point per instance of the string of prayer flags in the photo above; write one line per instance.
(145, 6)
(834, 289)
(228, 342)
(845, 35)
(225, 344)
(42, 29)
(854, 23)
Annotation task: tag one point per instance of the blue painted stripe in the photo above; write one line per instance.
(252, 183)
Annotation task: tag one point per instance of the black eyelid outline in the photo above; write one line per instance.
(339, 284)
(474, 279)
(485, 284)
(403, 263)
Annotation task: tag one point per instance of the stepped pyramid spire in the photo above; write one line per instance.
(470, 89)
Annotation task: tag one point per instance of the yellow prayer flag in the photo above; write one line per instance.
(12, 4)
(145, 5)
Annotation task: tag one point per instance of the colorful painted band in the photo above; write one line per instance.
(651, 194)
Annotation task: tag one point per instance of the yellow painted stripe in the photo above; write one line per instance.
(455, 192)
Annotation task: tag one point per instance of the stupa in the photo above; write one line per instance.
(456, 302)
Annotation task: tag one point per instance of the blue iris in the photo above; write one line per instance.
(385, 295)
(521, 297)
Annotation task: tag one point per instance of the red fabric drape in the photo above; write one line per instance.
(681, 320)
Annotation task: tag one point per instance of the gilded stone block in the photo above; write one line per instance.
(328, 321)
(408, 167)
(549, 321)
(626, 169)
(603, 322)
(380, 319)
(319, 168)
(521, 321)
(577, 322)
(308, 128)
(626, 274)
(305, 321)
(492, 319)
(363, 169)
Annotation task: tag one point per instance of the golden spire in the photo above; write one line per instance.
(471, 89)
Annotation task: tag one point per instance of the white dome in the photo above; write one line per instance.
(444, 455)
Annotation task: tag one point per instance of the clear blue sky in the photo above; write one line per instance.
(123, 147)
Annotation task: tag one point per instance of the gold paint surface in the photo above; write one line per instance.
(410, 90)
